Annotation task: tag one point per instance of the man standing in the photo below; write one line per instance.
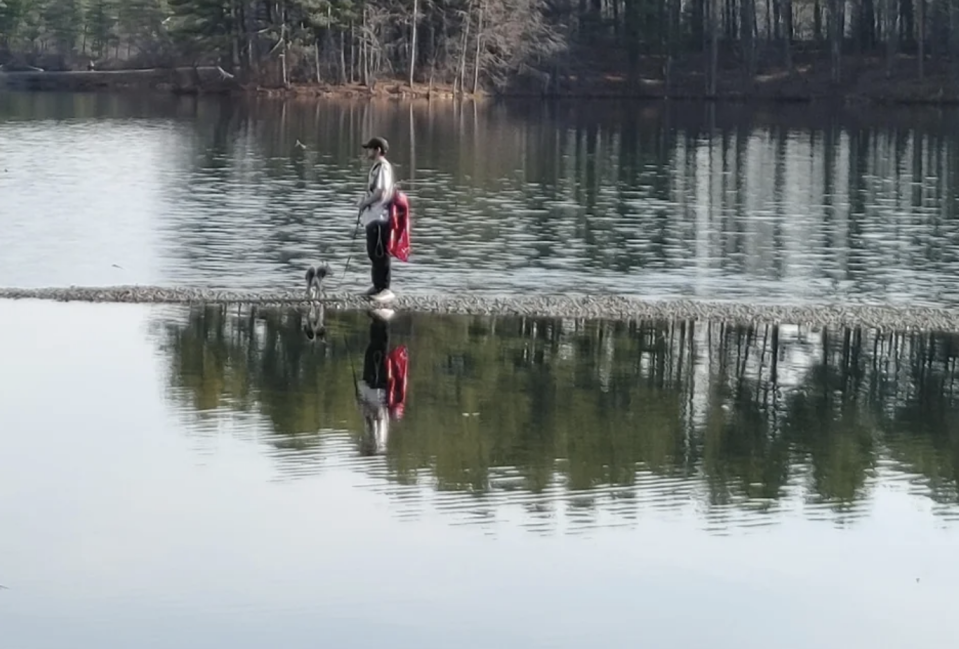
(375, 217)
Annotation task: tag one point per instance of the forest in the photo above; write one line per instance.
(892, 49)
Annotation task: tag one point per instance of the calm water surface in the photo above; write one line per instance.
(199, 477)
(787, 205)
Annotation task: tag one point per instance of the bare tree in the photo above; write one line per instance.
(413, 26)
(892, 34)
(921, 35)
(837, 10)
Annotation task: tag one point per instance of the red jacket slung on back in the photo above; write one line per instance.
(399, 244)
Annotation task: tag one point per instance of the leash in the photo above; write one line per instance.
(356, 231)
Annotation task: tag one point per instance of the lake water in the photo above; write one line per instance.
(177, 476)
(786, 205)
(201, 477)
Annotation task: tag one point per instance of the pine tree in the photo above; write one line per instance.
(202, 27)
(63, 21)
(9, 17)
(141, 24)
(102, 25)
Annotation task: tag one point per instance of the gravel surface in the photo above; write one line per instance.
(606, 307)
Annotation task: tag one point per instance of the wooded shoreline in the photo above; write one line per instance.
(868, 82)
(850, 51)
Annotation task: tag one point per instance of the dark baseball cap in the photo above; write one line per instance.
(377, 142)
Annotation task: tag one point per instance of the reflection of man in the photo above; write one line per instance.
(382, 390)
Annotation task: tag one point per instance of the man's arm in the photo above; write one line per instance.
(374, 197)
(382, 181)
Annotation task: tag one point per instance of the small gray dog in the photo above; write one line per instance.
(314, 327)
(314, 280)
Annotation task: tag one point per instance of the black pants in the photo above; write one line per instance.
(377, 236)
(374, 360)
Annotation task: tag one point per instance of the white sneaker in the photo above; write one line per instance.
(386, 295)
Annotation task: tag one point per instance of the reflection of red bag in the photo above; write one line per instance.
(399, 244)
(396, 366)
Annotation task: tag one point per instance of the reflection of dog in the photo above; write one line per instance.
(314, 281)
(314, 326)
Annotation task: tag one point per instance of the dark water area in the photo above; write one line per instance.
(785, 204)
(201, 476)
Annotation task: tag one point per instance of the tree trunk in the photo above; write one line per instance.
(921, 36)
(316, 57)
(786, 12)
(343, 75)
(835, 38)
(248, 40)
(907, 23)
(352, 53)
(772, 20)
(868, 25)
(416, 9)
(954, 43)
(632, 35)
(858, 30)
(698, 25)
(747, 22)
(479, 39)
(892, 35)
(236, 42)
(284, 37)
(713, 47)
(616, 22)
(466, 36)
(364, 50)
(817, 22)
(671, 38)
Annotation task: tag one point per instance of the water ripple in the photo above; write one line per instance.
(223, 198)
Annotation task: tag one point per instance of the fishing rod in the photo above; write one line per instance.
(356, 231)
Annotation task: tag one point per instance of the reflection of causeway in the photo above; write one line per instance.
(568, 425)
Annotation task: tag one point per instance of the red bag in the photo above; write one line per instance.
(397, 362)
(399, 244)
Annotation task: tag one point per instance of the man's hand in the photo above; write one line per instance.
(366, 202)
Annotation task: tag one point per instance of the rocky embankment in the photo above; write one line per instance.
(606, 307)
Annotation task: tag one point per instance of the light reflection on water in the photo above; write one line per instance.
(571, 198)
(168, 478)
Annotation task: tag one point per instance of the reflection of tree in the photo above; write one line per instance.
(522, 407)
(261, 360)
(924, 432)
